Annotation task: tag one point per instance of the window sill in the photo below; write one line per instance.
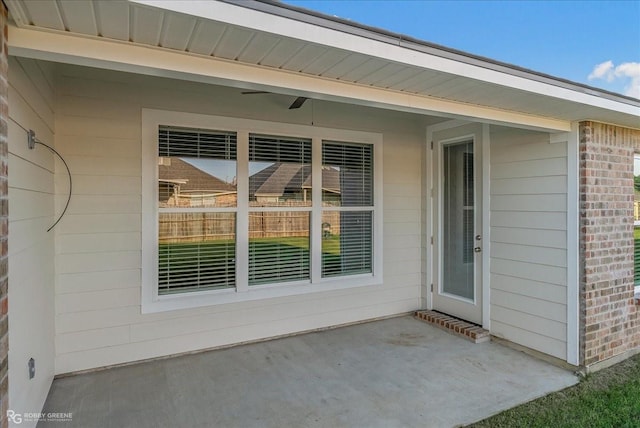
(636, 295)
(259, 292)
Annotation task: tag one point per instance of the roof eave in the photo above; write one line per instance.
(401, 40)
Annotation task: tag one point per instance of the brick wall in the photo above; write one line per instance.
(610, 323)
(4, 219)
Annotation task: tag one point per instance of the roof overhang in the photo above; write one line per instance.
(266, 46)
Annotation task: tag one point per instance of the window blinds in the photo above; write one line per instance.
(281, 177)
(267, 148)
(196, 250)
(353, 164)
(350, 250)
(278, 246)
(347, 247)
(198, 143)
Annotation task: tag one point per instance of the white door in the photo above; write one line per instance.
(457, 225)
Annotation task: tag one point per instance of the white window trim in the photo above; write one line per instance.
(152, 302)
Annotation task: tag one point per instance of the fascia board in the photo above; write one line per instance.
(401, 53)
(122, 56)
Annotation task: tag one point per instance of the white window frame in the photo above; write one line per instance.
(153, 302)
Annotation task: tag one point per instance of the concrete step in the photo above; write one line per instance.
(469, 331)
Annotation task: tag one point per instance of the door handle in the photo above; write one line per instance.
(477, 249)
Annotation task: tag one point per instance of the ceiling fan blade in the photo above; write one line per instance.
(297, 103)
(254, 92)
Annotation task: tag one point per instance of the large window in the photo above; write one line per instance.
(243, 206)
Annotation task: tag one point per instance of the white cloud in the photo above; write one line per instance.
(603, 71)
(628, 73)
(630, 70)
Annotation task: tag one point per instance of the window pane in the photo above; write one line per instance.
(196, 183)
(347, 174)
(196, 168)
(346, 243)
(278, 246)
(196, 252)
(279, 171)
(458, 220)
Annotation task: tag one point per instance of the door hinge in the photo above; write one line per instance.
(432, 288)
(432, 240)
(432, 145)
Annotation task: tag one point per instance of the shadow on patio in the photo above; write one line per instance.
(398, 372)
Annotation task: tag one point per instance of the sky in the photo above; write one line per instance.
(591, 42)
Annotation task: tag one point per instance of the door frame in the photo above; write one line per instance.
(480, 134)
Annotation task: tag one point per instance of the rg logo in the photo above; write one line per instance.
(14, 417)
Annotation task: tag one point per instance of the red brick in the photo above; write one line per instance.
(606, 241)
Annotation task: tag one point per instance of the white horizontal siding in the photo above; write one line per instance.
(98, 318)
(98, 242)
(202, 340)
(533, 340)
(143, 328)
(537, 289)
(88, 281)
(31, 247)
(524, 203)
(552, 329)
(96, 300)
(525, 270)
(529, 240)
(537, 237)
(529, 185)
(27, 204)
(530, 254)
(97, 261)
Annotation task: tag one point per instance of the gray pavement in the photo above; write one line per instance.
(397, 372)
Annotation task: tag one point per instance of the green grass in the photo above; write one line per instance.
(331, 245)
(216, 262)
(605, 399)
(214, 267)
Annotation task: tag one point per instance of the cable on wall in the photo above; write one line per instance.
(32, 140)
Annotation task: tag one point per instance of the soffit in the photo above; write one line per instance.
(155, 26)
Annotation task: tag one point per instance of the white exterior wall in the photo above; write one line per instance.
(31, 247)
(529, 240)
(98, 278)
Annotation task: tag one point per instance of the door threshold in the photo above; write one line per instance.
(469, 331)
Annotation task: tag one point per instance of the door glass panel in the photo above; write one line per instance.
(458, 220)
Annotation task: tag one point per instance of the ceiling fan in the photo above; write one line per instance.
(297, 103)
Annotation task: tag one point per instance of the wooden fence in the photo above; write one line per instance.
(198, 227)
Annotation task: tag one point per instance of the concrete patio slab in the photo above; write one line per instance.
(397, 372)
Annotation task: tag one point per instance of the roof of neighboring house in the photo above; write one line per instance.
(195, 180)
(282, 178)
